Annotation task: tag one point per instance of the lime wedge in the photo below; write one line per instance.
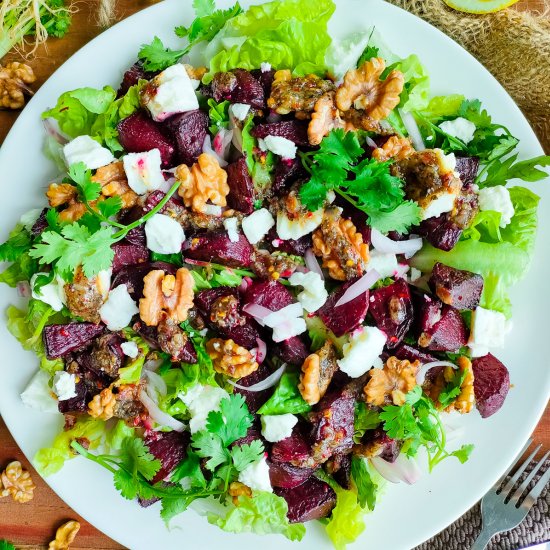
(479, 6)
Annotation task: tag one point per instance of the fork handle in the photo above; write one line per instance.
(483, 539)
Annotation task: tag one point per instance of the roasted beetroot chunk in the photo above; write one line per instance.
(138, 133)
(293, 351)
(347, 317)
(313, 499)
(440, 232)
(455, 287)
(467, 168)
(286, 172)
(215, 246)
(127, 254)
(255, 399)
(241, 188)
(105, 356)
(294, 450)
(269, 294)
(132, 76)
(40, 224)
(188, 130)
(340, 468)
(392, 309)
(205, 299)
(294, 130)
(287, 476)
(59, 340)
(265, 78)
(297, 247)
(132, 276)
(77, 404)
(170, 448)
(491, 384)
(238, 86)
(412, 354)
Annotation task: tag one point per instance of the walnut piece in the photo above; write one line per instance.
(325, 117)
(66, 194)
(391, 383)
(395, 148)
(230, 359)
(363, 89)
(102, 406)
(465, 401)
(237, 489)
(114, 182)
(195, 73)
(17, 483)
(166, 296)
(205, 181)
(341, 247)
(86, 296)
(14, 78)
(317, 372)
(65, 536)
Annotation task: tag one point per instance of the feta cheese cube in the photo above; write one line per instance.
(64, 385)
(118, 310)
(303, 225)
(232, 227)
(385, 264)
(170, 92)
(52, 293)
(443, 203)
(164, 234)
(257, 225)
(240, 110)
(200, 400)
(130, 349)
(286, 322)
(279, 146)
(278, 427)
(447, 163)
(265, 67)
(497, 198)
(143, 171)
(460, 128)
(87, 150)
(38, 395)
(487, 331)
(256, 476)
(362, 351)
(314, 294)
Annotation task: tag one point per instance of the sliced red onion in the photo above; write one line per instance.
(155, 382)
(421, 374)
(52, 129)
(24, 289)
(276, 318)
(265, 384)
(403, 469)
(413, 130)
(257, 311)
(359, 287)
(312, 264)
(160, 417)
(259, 352)
(385, 245)
(152, 364)
(207, 148)
(370, 142)
(221, 142)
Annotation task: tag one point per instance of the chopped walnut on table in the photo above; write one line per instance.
(14, 80)
(166, 296)
(114, 183)
(65, 536)
(237, 489)
(391, 383)
(17, 483)
(230, 359)
(325, 117)
(205, 181)
(396, 147)
(340, 246)
(317, 372)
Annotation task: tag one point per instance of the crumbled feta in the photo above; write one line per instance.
(173, 93)
(118, 310)
(279, 146)
(286, 322)
(257, 225)
(362, 351)
(303, 225)
(232, 227)
(164, 234)
(314, 294)
(29, 218)
(38, 395)
(497, 198)
(213, 210)
(447, 163)
(414, 275)
(278, 427)
(87, 150)
(265, 67)
(103, 282)
(52, 293)
(460, 128)
(385, 264)
(143, 171)
(443, 203)
(256, 476)
(64, 385)
(488, 329)
(200, 400)
(240, 110)
(195, 83)
(130, 349)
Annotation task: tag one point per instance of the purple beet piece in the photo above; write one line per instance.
(136, 236)
(77, 404)
(265, 78)
(467, 167)
(390, 448)
(286, 172)
(440, 232)
(427, 310)
(294, 350)
(294, 130)
(132, 276)
(456, 287)
(215, 246)
(412, 354)
(188, 130)
(491, 384)
(170, 448)
(128, 254)
(59, 340)
(241, 188)
(255, 399)
(204, 299)
(105, 357)
(392, 309)
(341, 470)
(40, 224)
(253, 433)
(313, 499)
(287, 476)
(269, 294)
(132, 76)
(298, 247)
(447, 334)
(238, 86)
(138, 133)
(346, 317)
(294, 449)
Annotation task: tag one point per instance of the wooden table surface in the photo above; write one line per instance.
(33, 525)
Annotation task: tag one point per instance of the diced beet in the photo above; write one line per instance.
(340, 467)
(241, 188)
(77, 404)
(456, 287)
(215, 246)
(427, 310)
(491, 384)
(389, 448)
(170, 448)
(265, 78)
(127, 254)
(440, 232)
(294, 449)
(270, 294)
(204, 299)
(286, 172)
(132, 76)
(412, 354)
(287, 476)
(238, 86)
(294, 130)
(59, 340)
(294, 350)
(467, 167)
(252, 434)
(392, 309)
(136, 235)
(188, 130)
(132, 276)
(245, 335)
(346, 317)
(297, 247)
(255, 399)
(40, 224)
(138, 133)
(313, 499)
(105, 357)
(447, 334)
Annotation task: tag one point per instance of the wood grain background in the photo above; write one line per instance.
(33, 525)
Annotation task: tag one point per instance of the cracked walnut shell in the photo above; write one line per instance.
(65, 536)
(166, 296)
(17, 483)
(363, 89)
(391, 383)
(230, 359)
(14, 78)
(396, 147)
(205, 181)
(465, 401)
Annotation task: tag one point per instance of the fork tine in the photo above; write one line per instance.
(519, 455)
(519, 491)
(539, 486)
(521, 469)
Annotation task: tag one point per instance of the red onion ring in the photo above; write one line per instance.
(160, 417)
(265, 384)
(260, 351)
(421, 374)
(359, 287)
(414, 131)
(385, 245)
(403, 469)
(312, 264)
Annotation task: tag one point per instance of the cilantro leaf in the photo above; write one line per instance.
(5, 545)
(368, 53)
(463, 454)
(400, 219)
(110, 206)
(246, 454)
(313, 194)
(366, 488)
(156, 57)
(365, 419)
(204, 7)
(471, 110)
(190, 469)
(232, 421)
(209, 445)
(88, 190)
(126, 484)
(136, 457)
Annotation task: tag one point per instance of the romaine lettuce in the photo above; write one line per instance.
(286, 398)
(346, 522)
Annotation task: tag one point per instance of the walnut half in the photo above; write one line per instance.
(391, 383)
(17, 483)
(230, 359)
(317, 372)
(65, 536)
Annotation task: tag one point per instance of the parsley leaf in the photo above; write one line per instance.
(367, 489)
(232, 421)
(88, 190)
(246, 454)
(156, 57)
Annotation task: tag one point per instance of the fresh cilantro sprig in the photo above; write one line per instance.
(157, 57)
(5, 545)
(452, 389)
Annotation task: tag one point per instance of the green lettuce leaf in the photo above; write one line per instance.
(286, 398)
(131, 373)
(416, 91)
(117, 434)
(443, 106)
(346, 522)
(27, 326)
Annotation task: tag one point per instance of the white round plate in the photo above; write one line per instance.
(405, 515)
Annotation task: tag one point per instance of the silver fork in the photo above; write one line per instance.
(502, 510)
